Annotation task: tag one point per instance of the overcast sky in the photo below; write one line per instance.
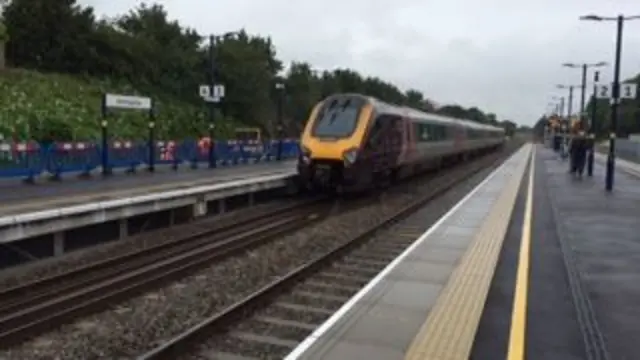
(502, 56)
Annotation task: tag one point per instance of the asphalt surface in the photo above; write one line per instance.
(602, 234)
(14, 191)
(552, 330)
(552, 325)
(491, 342)
(583, 291)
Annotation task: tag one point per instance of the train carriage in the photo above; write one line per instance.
(355, 142)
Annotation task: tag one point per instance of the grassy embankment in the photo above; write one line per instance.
(68, 108)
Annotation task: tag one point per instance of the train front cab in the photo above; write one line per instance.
(330, 144)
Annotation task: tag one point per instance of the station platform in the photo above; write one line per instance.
(19, 198)
(442, 277)
(531, 264)
(51, 208)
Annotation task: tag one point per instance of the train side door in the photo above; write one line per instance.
(372, 146)
(384, 143)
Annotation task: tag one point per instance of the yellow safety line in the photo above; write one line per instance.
(451, 325)
(519, 312)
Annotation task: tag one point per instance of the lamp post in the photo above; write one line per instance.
(280, 88)
(592, 127)
(556, 128)
(213, 71)
(583, 86)
(567, 123)
(555, 104)
(620, 19)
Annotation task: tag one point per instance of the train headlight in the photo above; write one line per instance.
(305, 155)
(349, 157)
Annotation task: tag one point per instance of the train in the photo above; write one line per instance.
(353, 142)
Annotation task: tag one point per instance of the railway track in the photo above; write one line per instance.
(270, 322)
(38, 306)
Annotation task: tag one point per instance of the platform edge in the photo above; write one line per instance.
(450, 328)
(308, 342)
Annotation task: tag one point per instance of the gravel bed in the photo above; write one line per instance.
(363, 264)
(316, 302)
(263, 328)
(302, 316)
(346, 282)
(142, 322)
(139, 324)
(425, 217)
(56, 265)
(248, 348)
(333, 291)
(352, 271)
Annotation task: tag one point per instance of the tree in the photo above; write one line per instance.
(509, 127)
(149, 53)
(4, 37)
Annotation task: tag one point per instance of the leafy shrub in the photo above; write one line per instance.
(65, 107)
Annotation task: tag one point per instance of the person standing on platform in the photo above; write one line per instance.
(581, 153)
(578, 153)
(572, 154)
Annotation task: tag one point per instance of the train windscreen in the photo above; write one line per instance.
(338, 117)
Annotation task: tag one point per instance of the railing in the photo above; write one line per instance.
(29, 160)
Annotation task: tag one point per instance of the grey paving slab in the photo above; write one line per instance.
(452, 241)
(386, 325)
(436, 254)
(456, 230)
(603, 232)
(414, 295)
(412, 270)
(469, 219)
(345, 350)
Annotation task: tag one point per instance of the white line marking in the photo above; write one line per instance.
(311, 339)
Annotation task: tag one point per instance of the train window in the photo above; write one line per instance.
(435, 132)
(424, 133)
(445, 132)
(440, 132)
(337, 118)
(375, 131)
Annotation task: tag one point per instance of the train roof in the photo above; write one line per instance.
(405, 110)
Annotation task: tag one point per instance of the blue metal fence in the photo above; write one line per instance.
(29, 160)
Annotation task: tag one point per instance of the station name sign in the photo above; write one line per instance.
(127, 102)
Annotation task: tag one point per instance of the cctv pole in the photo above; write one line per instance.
(592, 126)
(212, 105)
(583, 88)
(568, 123)
(614, 108)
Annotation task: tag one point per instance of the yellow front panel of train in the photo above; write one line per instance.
(333, 147)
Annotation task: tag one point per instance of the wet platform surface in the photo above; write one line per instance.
(18, 197)
(584, 269)
(599, 233)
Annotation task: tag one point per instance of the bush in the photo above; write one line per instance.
(66, 107)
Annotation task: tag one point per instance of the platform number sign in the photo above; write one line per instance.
(212, 93)
(604, 92)
(627, 91)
